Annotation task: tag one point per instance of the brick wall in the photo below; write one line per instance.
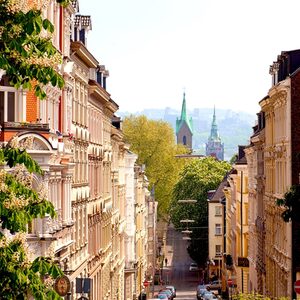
(32, 107)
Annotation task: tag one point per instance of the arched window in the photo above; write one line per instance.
(184, 140)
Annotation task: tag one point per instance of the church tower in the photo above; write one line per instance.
(184, 127)
(214, 146)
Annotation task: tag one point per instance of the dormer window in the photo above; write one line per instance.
(82, 24)
(274, 72)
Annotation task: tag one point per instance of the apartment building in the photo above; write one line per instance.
(77, 139)
(237, 239)
(256, 184)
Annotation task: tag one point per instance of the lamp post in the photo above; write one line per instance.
(187, 201)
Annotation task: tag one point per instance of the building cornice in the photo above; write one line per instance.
(79, 49)
(98, 92)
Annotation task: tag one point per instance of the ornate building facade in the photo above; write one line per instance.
(256, 184)
(100, 196)
(237, 239)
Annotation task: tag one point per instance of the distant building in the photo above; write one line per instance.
(214, 146)
(184, 127)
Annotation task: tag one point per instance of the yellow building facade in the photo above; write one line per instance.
(237, 238)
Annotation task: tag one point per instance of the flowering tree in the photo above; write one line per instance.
(27, 54)
(29, 59)
(20, 277)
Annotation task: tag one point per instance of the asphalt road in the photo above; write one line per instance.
(177, 270)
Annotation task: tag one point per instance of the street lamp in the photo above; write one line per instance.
(187, 201)
(187, 231)
(187, 221)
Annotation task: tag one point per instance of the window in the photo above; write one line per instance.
(218, 229)
(218, 211)
(218, 250)
(184, 140)
(9, 104)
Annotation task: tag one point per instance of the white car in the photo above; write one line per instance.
(193, 267)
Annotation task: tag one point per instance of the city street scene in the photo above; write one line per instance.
(149, 150)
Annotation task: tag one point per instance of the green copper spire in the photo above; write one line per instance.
(183, 108)
(214, 134)
(184, 118)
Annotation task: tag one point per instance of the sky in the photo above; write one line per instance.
(217, 51)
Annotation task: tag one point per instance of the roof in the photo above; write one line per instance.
(219, 194)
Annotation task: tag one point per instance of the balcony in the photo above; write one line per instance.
(9, 129)
(25, 126)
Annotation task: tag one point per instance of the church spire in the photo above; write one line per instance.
(184, 118)
(183, 108)
(214, 134)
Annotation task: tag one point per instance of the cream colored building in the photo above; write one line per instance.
(78, 141)
(256, 184)
(277, 156)
(216, 232)
(130, 229)
(237, 224)
(141, 235)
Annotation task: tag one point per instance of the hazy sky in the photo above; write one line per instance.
(218, 50)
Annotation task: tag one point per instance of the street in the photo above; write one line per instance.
(177, 272)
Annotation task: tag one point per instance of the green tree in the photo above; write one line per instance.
(154, 143)
(20, 277)
(27, 54)
(30, 61)
(197, 178)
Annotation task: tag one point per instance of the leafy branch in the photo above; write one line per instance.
(291, 203)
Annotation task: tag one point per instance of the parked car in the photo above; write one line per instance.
(172, 289)
(201, 290)
(167, 292)
(193, 267)
(162, 296)
(209, 296)
(215, 285)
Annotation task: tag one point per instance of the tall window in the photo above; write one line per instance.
(218, 210)
(218, 229)
(218, 250)
(10, 102)
(184, 140)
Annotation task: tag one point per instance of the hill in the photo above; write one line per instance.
(235, 128)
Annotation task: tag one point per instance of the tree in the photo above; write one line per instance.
(20, 277)
(27, 54)
(30, 61)
(154, 143)
(290, 203)
(197, 178)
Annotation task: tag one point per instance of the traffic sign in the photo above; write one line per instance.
(297, 286)
(230, 282)
(146, 283)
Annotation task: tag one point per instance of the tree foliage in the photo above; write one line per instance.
(197, 178)
(20, 277)
(27, 54)
(253, 296)
(290, 204)
(154, 143)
